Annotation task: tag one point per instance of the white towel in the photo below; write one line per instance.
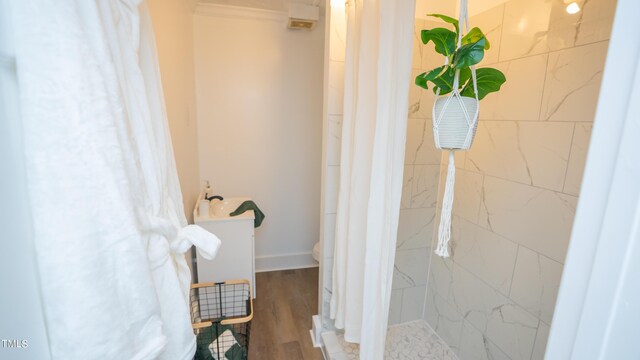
(109, 229)
(226, 341)
(170, 236)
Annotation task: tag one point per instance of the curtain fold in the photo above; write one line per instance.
(377, 79)
(109, 228)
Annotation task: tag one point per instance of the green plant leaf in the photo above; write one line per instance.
(465, 75)
(469, 54)
(443, 39)
(488, 79)
(444, 82)
(473, 36)
(421, 80)
(447, 19)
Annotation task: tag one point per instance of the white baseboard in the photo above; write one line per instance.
(316, 331)
(285, 262)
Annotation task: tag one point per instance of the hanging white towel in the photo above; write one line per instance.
(109, 228)
(164, 210)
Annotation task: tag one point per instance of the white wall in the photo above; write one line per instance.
(173, 24)
(259, 96)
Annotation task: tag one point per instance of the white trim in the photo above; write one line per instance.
(226, 11)
(324, 164)
(316, 331)
(285, 262)
(596, 317)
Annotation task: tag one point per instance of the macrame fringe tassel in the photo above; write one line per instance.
(444, 230)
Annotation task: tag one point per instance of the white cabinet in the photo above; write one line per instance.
(235, 259)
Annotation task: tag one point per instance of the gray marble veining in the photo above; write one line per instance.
(516, 189)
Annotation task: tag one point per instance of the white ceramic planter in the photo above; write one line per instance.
(453, 125)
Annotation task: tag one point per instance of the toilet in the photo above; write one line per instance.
(316, 252)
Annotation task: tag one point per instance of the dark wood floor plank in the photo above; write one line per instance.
(282, 315)
(300, 309)
(292, 350)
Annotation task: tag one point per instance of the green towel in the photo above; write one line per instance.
(208, 335)
(250, 205)
(236, 352)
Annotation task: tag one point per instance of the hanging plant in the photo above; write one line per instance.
(470, 53)
(459, 79)
(459, 87)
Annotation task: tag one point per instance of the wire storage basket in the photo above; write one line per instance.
(221, 315)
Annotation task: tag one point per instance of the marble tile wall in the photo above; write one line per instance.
(419, 197)
(517, 188)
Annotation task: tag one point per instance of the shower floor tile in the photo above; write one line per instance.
(410, 341)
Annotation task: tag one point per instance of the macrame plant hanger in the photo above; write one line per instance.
(455, 119)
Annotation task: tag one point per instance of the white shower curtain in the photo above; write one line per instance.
(109, 229)
(377, 79)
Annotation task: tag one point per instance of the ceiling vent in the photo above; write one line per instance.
(303, 16)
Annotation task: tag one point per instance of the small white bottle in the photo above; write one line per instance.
(203, 208)
(203, 204)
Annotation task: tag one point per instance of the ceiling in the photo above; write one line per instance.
(276, 5)
(423, 7)
(452, 7)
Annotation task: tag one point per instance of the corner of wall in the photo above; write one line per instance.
(173, 25)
